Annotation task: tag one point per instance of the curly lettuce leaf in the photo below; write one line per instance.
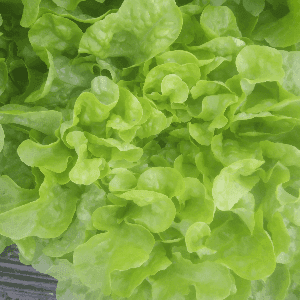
(219, 21)
(196, 205)
(211, 280)
(54, 157)
(39, 118)
(124, 247)
(136, 277)
(58, 35)
(30, 12)
(138, 31)
(153, 210)
(167, 181)
(234, 182)
(250, 256)
(47, 217)
(260, 63)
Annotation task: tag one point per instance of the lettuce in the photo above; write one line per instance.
(151, 149)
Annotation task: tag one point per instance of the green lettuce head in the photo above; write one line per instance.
(149, 149)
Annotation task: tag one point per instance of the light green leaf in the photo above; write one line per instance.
(243, 287)
(260, 64)
(275, 287)
(291, 67)
(189, 73)
(275, 175)
(86, 170)
(208, 165)
(142, 292)
(221, 46)
(95, 106)
(138, 31)
(244, 208)
(124, 283)
(167, 181)
(287, 154)
(261, 124)
(48, 6)
(191, 30)
(234, 182)
(280, 236)
(212, 281)
(197, 205)
(88, 109)
(53, 157)
(47, 217)
(123, 180)
(13, 196)
(215, 69)
(75, 235)
(69, 285)
(294, 6)
(194, 236)
(186, 166)
(62, 269)
(219, 21)
(56, 34)
(107, 217)
(156, 123)
(250, 256)
(213, 109)
(68, 4)
(284, 197)
(27, 247)
(127, 112)
(128, 246)
(71, 77)
(172, 86)
(201, 133)
(288, 109)
(112, 149)
(39, 118)
(208, 88)
(90, 200)
(180, 57)
(229, 151)
(76, 72)
(291, 211)
(275, 32)
(254, 7)
(30, 12)
(106, 91)
(154, 210)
